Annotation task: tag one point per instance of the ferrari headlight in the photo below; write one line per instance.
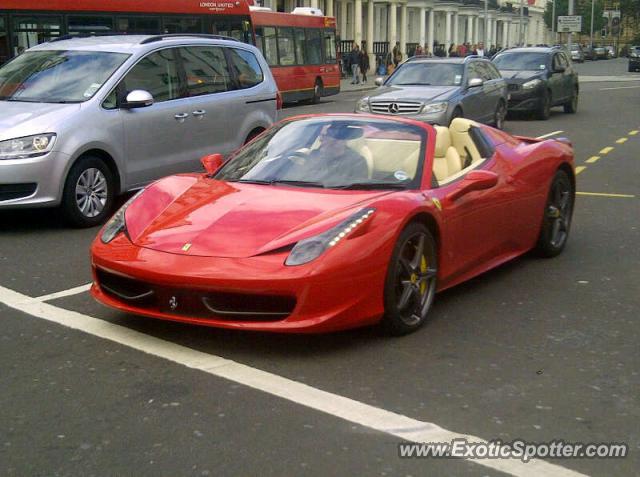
(363, 105)
(311, 248)
(117, 223)
(435, 107)
(532, 84)
(28, 146)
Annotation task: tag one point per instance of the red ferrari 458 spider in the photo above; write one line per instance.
(327, 222)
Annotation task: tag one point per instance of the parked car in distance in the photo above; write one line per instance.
(601, 53)
(85, 119)
(538, 79)
(589, 53)
(577, 54)
(438, 90)
(634, 58)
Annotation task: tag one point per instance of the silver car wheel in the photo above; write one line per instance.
(91, 192)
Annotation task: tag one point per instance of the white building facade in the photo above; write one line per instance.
(430, 23)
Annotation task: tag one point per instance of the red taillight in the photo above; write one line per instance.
(278, 101)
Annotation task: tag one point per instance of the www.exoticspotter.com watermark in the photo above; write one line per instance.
(516, 449)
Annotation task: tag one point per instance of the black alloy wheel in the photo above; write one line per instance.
(558, 212)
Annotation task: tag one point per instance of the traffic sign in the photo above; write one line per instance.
(569, 23)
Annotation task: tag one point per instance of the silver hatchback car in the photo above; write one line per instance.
(85, 119)
(437, 90)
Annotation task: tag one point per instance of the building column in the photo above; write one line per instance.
(343, 19)
(329, 11)
(393, 23)
(357, 22)
(431, 30)
(505, 36)
(370, 35)
(469, 36)
(423, 26)
(487, 34)
(447, 31)
(403, 29)
(494, 31)
(476, 28)
(456, 28)
(314, 3)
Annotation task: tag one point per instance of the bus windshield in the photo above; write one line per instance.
(57, 76)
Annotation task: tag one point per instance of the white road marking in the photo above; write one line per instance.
(400, 426)
(554, 133)
(619, 87)
(63, 293)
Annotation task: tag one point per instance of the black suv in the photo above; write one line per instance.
(538, 79)
(634, 58)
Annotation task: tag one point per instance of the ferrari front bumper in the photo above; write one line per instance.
(256, 293)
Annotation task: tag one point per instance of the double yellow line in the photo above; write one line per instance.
(606, 150)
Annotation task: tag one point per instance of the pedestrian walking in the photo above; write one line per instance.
(354, 61)
(364, 65)
(397, 54)
(418, 51)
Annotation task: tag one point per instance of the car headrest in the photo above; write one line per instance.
(443, 141)
(462, 125)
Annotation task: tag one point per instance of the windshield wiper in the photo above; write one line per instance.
(282, 181)
(371, 186)
(413, 84)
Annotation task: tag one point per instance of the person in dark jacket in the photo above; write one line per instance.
(364, 65)
(354, 61)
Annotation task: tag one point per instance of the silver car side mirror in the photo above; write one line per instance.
(475, 82)
(379, 81)
(138, 98)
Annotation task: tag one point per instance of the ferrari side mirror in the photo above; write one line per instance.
(474, 180)
(212, 163)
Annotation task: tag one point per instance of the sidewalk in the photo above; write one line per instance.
(346, 86)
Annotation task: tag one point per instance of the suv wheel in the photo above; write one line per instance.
(499, 115)
(88, 193)
(545, 107)
(571, 107)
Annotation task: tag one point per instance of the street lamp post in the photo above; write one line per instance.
(554, 27)
(521, 29)
(486, 24)
(593, 4)
(570, 35)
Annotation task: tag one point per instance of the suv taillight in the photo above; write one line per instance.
(278, 101)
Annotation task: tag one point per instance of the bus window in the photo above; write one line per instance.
(4, 41)
(206, 70)
(314, 46)
(329, 46)
(182, 25)
(246, 67)
(139, 25)
(260, 40)
(300, 46)
(90, 24)
(286, 47)
(270, 46)
(31, 30)
(157, 74)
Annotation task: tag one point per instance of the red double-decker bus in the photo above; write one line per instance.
(300, 48)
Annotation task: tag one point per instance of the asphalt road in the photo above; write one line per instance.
(537, 349)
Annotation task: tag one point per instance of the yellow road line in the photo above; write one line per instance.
(633, 133)
(600, 194)
(606, 150)
(593, 159)
(579, 169)
(622, 140)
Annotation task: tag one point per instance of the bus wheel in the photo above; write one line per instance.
(317, 92)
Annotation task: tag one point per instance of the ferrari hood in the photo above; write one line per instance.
(204, 217)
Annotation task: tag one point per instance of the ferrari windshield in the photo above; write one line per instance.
(427, 74)
(57, 76)
(521, 61)
(332, 153)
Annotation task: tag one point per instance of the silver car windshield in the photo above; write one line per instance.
(427, 74)
(332, 153)
(57, 76)
(521, 61)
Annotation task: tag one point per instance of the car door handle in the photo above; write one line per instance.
(180, 117)
(199, 113)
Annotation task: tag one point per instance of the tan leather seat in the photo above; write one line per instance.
(463, 143)
(446, 160)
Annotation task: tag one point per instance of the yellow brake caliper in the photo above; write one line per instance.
(423, 269)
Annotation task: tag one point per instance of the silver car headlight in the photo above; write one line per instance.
(28, 146)
(532, 84)
(435, 107)
(117, 223)
(363, 105)
(311, 248)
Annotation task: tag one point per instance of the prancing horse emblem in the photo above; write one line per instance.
(394, 108)
(173, 303)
